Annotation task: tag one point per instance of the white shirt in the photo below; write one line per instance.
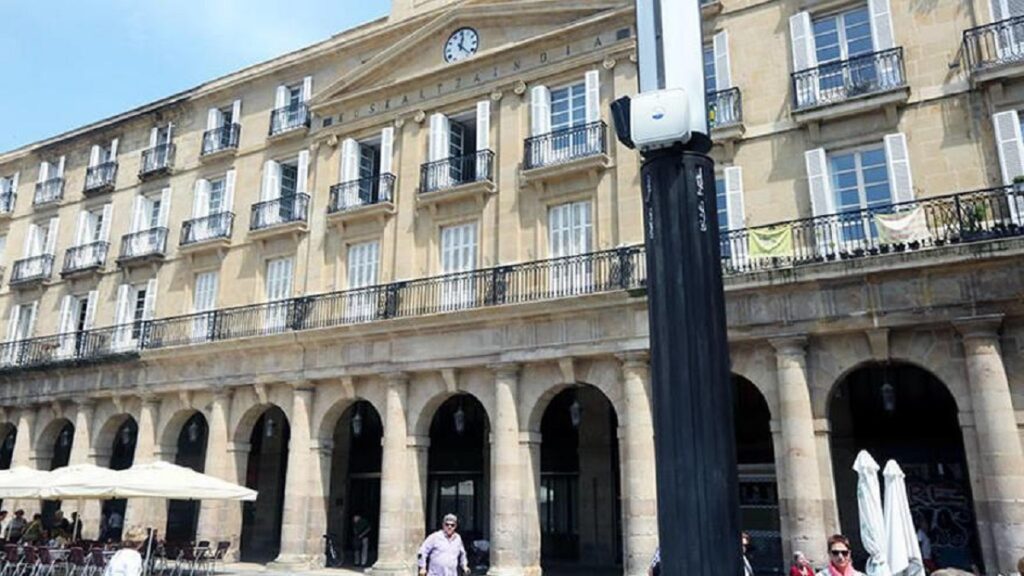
(126, 562)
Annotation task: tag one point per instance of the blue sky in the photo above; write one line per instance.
(67, 63)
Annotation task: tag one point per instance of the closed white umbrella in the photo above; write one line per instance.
(872, 523)
(21, 482)
(166, 480)
(904, 551)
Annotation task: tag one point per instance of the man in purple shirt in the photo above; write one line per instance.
(442, 553)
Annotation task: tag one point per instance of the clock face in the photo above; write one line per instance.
(462, 44)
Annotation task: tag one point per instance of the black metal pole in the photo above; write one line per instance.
(698, 499)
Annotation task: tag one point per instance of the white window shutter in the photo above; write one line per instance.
(349, 160)
(302, 179)
(31, 239)
(483, 125)
(387, 150)
(1009, 145)
(90, 309)
(902, 182)
(149, 311)
(229, 190)
(280, 97)
(165, 207)
(51, 236)
(12, 323)
(154, 133)
(881, 24)
(94, 156)
(802, 36)
(201, 198)
(593, 96)
(113, 149)
(213, 119)
(14, 182)
(170, 133)
(271, 181)
(734, 197)
(440, 137)
(108, 214)
(33, 310)
(307, 88)
(82, 231)
(66, 317)
(723, 74)
(540, 110)
(139, 213)
(60, 167)
(44, 172)
(822, 202)
(236, 112)
(123, 309)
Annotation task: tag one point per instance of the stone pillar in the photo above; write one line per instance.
(296, 552)
(799, 484)
(146, 512)
(529, 447)
(1001, 455)
(221, 520)
(416, 524)
(392, 556)
(505, 474)
(82, 453)
(22, 456)
(639, 480)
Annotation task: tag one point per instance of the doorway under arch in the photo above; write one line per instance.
(60, 456)
(122, 456)
(580, 489)
(183, 515)
(355, 484)
(458, 472)
(759, 494)
(902, 412)
(266, 472)
(8, 436)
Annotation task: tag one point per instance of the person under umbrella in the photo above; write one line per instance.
(442, 553)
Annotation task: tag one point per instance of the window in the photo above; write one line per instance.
(710, 78)
(136, 303)
(722, 204)
(19, 327)
(362, 273)
(204, 299)
(843, 36)
(570, 234)
(458, 254)
(138, 309)
(289, 179)
(569, 107)
(279, 290)
(860, 181)
(294, 97)
(216, 200)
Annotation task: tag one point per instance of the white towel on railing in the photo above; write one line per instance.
(903, 227)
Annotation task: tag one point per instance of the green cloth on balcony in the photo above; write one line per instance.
(771, 242)
(902, 227)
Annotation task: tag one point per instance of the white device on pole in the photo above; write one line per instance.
(671, 65)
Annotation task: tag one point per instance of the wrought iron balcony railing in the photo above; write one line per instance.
(7, 200)
(157, 160)
(212, 227)
(725, 108)
(892, 228)
(283, 210)
(456, 171)
(76, 348)
(85, 257)
(363, 192)
(565, 145)
(839, 81)
(32, 269)
(100, 178)
(143, 244)
(289, 118)
(49, 191)
(995, 44)
(221, 138)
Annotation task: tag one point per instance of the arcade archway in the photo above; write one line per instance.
(902, 412)
(183, 515)
(355, 484)
(266, 472)
(122, 456)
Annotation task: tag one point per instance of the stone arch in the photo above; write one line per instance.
(894, 363)
(429, 393)
(47, 437)
(545, 384)
(247, 420)
(170, 430)
(757, 365)
(104, 439)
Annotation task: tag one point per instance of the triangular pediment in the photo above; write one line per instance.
(500, 24)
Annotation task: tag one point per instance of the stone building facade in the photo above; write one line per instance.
(399, 273)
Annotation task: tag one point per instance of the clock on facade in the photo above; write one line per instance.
(462, 44)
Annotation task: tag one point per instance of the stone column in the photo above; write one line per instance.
(640, 507)
(395, 473)
(22, 456)
(296, 523)
(221, 520)
(146, 512)
(1001, 455)
(799, 484)
(529, 447)
(505, 474)
(82, 453)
